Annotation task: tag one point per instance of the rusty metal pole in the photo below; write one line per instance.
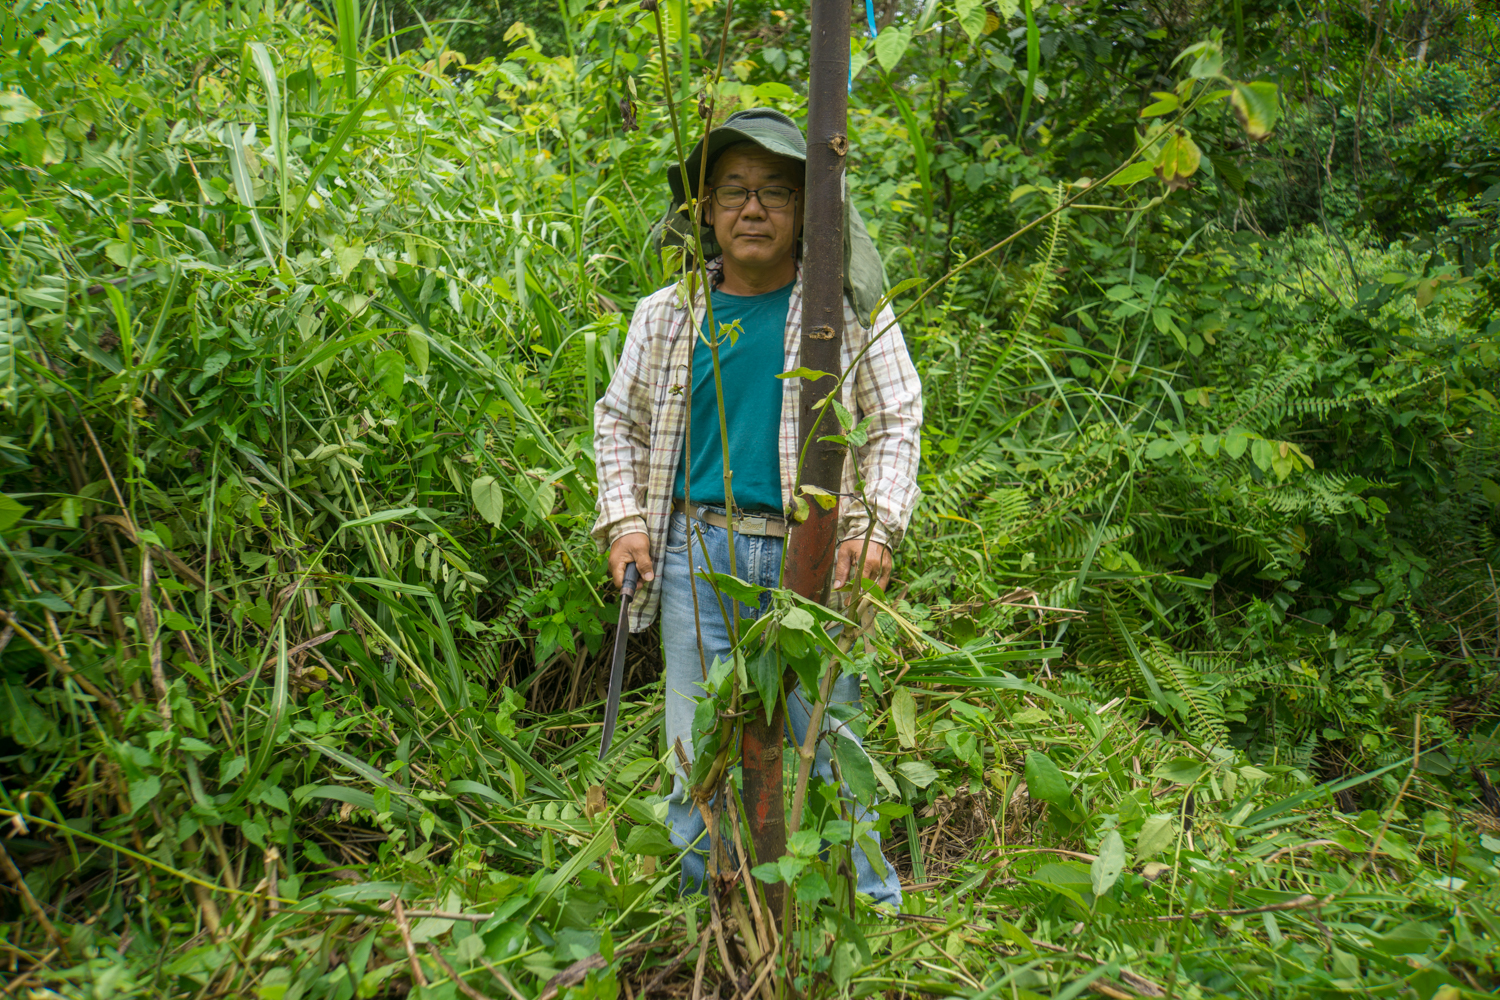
(811, 545)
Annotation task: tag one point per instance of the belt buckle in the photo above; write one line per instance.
(752, 525)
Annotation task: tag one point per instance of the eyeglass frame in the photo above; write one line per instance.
(714, 196)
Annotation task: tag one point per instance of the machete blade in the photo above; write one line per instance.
(617, 666)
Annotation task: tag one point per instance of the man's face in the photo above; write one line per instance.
(752, 236)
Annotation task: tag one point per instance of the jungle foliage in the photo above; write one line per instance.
(1188, 686)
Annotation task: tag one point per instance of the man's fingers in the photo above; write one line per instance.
(643, 562)
(841, 566)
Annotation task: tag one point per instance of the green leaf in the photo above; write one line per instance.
(1257, 107)
(651, 841)
(418, 348)
(971, 17)
(1161, 448)
(1045, 781)
(918, 772)
(1157, 834)
(379, 517)
(389, 369)
(23, 718)
(143, 791)
(811, 374)
(1105, 871)
(812, 887)
(489, 499)
(16, 107)
(177, 622)
(891, 45)
(1133, 174)
(763, 670)
(904, 714)
(799, 619)
(855, 769)
(1182, 770)
(730, 586)
(1165, 104)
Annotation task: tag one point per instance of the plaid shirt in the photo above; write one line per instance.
(640, 422)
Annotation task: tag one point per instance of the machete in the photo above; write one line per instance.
(617, 667)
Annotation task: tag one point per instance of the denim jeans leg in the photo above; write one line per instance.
(883, 887)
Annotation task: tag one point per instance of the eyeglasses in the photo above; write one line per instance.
(734, 196)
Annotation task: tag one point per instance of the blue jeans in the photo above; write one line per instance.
(758, 561)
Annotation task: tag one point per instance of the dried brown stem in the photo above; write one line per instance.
(29, 901)
(418, 978)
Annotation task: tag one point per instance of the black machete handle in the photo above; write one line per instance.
(632, 577)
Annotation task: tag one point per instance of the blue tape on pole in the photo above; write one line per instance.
(869, 16)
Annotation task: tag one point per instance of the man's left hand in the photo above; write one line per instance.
(877, 565)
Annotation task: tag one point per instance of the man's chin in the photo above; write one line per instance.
(755, 253)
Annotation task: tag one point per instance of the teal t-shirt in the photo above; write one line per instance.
(752, 405)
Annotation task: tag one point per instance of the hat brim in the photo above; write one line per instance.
(720, 138)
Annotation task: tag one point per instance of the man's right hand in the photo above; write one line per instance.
(632, 548)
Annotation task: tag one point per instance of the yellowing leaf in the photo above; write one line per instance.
(1256, 106)
(1178, 160)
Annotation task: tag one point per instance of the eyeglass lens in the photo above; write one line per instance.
(733, 196)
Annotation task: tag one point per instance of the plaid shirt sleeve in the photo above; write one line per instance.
(622, 430)
(888, 391)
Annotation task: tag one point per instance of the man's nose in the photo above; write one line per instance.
(753, 207)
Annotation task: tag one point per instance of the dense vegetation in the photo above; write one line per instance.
(1189, 684)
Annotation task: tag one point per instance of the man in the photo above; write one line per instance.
(661, 474)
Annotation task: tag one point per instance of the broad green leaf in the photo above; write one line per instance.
(389, 369)
(918, 772)
(347, 255)
(1108, 864)
(799, 619)
(1182, 770)
(489, 499)
(1235, 442)
(1045, 781)
(417, 347)
(1165, 104)
(891, 45)
(10, 512)
(854, 768)
(745, 593)
(812, 374)
(16, 107)
(27, 724)
(763, 669)
(1157, 834)
(1133, 174)
(1257, 106)
(904, 714)
(143, 791)
(971, 17)
(648, 840)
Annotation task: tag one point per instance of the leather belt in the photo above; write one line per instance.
(761, 525)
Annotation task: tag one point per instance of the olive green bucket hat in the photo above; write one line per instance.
(864, 274)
